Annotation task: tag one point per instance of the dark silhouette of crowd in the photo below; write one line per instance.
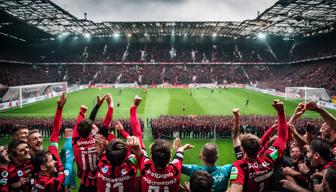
(217, 127)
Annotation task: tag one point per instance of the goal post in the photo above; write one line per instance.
(24, 94)
(306, 93)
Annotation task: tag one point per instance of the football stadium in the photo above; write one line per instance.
(175, 95)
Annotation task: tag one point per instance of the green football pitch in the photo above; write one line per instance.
(158, 102)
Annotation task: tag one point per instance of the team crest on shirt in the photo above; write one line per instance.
(4, 174)
(20, 173)
(123, 172)
(66, 172)
(104, 169)
(274, 153)
(234, 173)
(67, 154)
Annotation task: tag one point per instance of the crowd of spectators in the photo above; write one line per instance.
(45, 125)
(315, 74)
(168, 50)
(217, 127)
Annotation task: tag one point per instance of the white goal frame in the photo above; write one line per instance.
(13, 89)
(317, 94)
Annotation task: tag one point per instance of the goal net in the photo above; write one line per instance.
(307, 94)
(21, 95)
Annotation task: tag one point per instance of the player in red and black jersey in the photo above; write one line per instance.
(157, 174)
(253, 171)
(20, 132)
(4, 160)
(85, 147)
(20, 168)
(47, 165)
(117, 168)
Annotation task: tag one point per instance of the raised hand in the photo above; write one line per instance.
(83, 109)
(68, 133)
(62, 100)
(278, 106)
(312, 106)
(119, 126)
(134, 143)
(187, 147)
(109, 100)
(300, 109)
(137, 100)
(100, 101)
(236, 112)
(177, 144)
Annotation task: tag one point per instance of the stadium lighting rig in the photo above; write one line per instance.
(295, 17)
(261, 36)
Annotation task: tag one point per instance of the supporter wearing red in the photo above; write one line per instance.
(117, 168)
(328, 133)
(134, 120)
(253, 171)
(319, 160)
(35, 141)
(235, 134)
(20, 168)
(156, 172)
(297, 158)
(329, 178)
(84, 147)
(47, 165)
(4, 160)
(320, 157)
(329, 128)
(20, 132)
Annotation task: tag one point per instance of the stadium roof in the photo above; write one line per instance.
(285, 18)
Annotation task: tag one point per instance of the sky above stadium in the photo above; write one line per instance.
(165, 10)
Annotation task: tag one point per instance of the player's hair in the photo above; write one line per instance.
(330, 178)
(33, 131)
(40, 158)
(210, 153)
(2, 158)
(250, 144)
(201, 181)
(16, 128)
(12, 148)
(85, 128)
(160, 151)
(116, 152)
(322, 147)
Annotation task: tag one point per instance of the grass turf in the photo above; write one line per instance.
(158, 102)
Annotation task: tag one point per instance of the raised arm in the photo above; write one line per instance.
(328, 117)
(266, 136)
(57, 121)
(121, 130)
(104, 130)
(280, 142)
(94, 111)
(53, 147)
(67, 157)
(80, 117)
(135, 124)
(299, 110)
(109, 114)
(297, 137)
(235, 130)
